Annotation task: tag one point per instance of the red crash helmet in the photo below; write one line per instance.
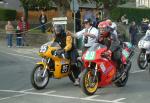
(103, 28)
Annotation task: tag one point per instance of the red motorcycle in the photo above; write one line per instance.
(100, 71)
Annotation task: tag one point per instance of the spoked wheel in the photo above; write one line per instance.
(38, 80)
(76, 70)
(89, 82)
(142, 60)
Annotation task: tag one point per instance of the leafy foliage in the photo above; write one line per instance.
(7, 14)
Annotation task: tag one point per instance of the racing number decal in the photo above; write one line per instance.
(90, 55)
(65, 68)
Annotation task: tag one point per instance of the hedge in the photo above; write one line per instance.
(7, 14)
(132, 13)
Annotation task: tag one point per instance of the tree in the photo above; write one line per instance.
(25, 5)
(63, 5)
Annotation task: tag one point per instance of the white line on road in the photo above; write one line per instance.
(22, 56)
(90, 97)
(138, 71)
(26, 90)
(118, 100)
(29, 57)
(49, 92)
(61, 96)
(12, 97)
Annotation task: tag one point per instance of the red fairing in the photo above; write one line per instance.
(106, 68)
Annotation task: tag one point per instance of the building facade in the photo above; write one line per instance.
(143, 3)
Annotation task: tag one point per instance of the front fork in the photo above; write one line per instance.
(95, 72)
(46, 67)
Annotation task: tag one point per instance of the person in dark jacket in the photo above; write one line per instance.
(18, 37)
(133, 30)
(43, 20)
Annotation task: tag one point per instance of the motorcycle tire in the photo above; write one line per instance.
(123, 81)
(142, 67)
(76, 70)
(88, 87)
(37, 78)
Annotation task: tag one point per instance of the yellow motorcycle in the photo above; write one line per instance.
(53, 66)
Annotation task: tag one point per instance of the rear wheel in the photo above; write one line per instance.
(123, 80)
(142, 61)
(89, 82)
(39, 81)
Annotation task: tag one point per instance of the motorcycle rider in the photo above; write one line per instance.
(66, 43)
(108, 36)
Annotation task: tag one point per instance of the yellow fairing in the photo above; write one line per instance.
(58, 68)
(59, 62)
(42, 63)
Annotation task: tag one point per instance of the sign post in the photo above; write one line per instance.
(74, 7)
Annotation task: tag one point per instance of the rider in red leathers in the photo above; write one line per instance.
(108, 36)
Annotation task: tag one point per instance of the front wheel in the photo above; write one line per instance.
(142, 60)
(89, 82)
(38, 80)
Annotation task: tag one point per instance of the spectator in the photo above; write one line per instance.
(97, 20)
(90, 15)
(78, 21)
(124, 19)
(18, 37)
(9, 31)
(133, 30)
(24, 27)
(89, 34)
(144, 24)
(43, 20)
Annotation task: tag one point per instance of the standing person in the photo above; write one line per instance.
(18, 37)
(89, 14)
(97, 20)
(90, 35)
(133, 30)
(78, 21)
(43, 20)
(124, 19)
(24, 27)
(9, 31)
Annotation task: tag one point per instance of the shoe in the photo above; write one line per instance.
(76, 83)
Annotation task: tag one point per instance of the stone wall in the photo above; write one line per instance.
(35, 40)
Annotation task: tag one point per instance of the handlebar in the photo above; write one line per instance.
(56, 54)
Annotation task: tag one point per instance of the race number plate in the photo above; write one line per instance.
(65, 68)
(90, 55)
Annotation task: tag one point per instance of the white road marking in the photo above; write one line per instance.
(99, 100)
(26, 90)
(90, 97)
(49, 92)
(22, 55)
(137, 71)
(12, 97)
(61, 96)
(118, 100)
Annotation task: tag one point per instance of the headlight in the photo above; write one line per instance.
(43, 48)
